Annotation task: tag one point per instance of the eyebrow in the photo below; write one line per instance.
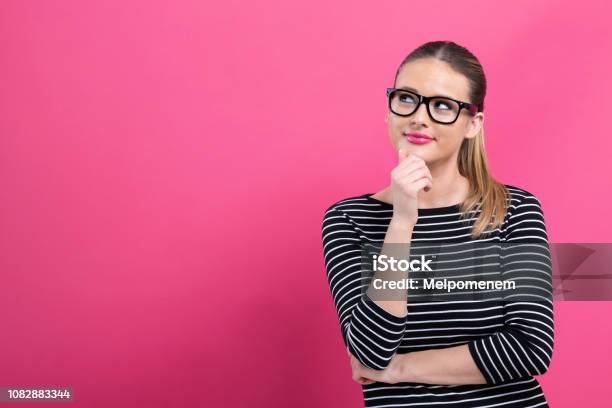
(407, 88)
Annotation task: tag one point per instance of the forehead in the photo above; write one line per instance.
(430, 76)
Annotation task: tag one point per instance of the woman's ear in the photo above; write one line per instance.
(476, 123)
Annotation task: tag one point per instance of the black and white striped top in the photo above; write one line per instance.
(510, 342)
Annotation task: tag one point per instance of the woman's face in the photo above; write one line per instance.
(429, 77)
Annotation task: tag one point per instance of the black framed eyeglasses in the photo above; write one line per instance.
(440, 108)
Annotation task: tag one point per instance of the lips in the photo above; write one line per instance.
(418, 135)
(418, 138)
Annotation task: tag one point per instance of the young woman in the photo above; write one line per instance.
(470, 353)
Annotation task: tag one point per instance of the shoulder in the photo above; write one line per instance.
(525, 216)
(348, 204)
(337, 226)
(518, 193)
(522, 200)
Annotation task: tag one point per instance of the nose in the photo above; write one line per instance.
(420, 117)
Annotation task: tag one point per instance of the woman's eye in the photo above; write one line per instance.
(442, 105)
(407, 99)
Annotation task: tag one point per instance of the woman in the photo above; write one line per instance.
(470, 353)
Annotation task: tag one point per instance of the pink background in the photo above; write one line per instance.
(157, 156)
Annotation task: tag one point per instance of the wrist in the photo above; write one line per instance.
(397, 370)
(398, 222)
(403, 371)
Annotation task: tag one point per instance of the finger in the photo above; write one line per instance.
(405, 168)
(354, 363)
(369, 373)
(430, 179)
(417, 175)
(417, 181)
(410, 161)
(404, 154)
(417, 156)
(401, 155)
(422, 183)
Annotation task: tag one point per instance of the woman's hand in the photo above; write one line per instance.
(365, 375)
(409, 177)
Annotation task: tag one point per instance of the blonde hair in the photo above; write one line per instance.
(485, 193)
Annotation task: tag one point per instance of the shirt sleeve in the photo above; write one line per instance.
(370, 333)
(524, 347)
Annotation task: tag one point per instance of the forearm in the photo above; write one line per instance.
(448, 366)
(398, 232)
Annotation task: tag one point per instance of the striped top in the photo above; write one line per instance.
(510, 342)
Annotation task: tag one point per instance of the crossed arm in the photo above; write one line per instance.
(373, 332)
(451, 365)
